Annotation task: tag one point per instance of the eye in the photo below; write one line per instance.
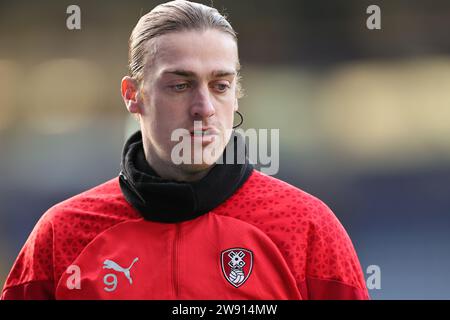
(221, 87)
(179, 87)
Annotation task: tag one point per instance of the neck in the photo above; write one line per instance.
(168, 201)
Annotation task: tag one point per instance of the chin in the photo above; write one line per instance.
(198, 167)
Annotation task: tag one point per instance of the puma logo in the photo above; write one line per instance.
(109, 264)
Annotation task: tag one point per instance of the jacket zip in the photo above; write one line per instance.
(175, 260)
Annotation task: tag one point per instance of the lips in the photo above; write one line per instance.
(206, 131)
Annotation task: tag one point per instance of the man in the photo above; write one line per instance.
(190, 230)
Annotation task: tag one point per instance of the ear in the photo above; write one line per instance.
(130, 94)
(236, 105)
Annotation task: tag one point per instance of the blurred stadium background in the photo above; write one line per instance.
(364, 117)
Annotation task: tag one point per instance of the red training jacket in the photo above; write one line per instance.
(269, 240)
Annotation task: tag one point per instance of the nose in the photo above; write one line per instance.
(202, 106)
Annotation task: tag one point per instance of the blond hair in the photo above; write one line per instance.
(173, 16)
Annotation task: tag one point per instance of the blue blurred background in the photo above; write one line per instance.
(364, 117)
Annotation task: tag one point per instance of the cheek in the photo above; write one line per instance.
(226, 112)
(165, 116)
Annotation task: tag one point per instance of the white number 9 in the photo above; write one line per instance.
(112, 284)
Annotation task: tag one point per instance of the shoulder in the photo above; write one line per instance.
(79, 219)
(102, 202)
(66, 228)
(281, 199)
(60, 235)
(293, 218)
(86, 213)
(304, 228)
(313, 233)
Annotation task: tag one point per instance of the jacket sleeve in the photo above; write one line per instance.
(333, 271)
(31, 277)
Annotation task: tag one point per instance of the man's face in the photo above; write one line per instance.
(192, 77)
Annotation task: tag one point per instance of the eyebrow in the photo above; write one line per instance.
(223, 73)
(190, 74)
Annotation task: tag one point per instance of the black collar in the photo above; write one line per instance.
(170, 201)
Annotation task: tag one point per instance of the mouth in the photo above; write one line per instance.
(204, 132)
(204, 136)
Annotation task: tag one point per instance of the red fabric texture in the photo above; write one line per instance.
(299, 249)
(35, 290)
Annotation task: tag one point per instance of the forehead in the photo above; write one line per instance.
(201, 52)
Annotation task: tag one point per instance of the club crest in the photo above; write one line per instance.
(237, 264)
